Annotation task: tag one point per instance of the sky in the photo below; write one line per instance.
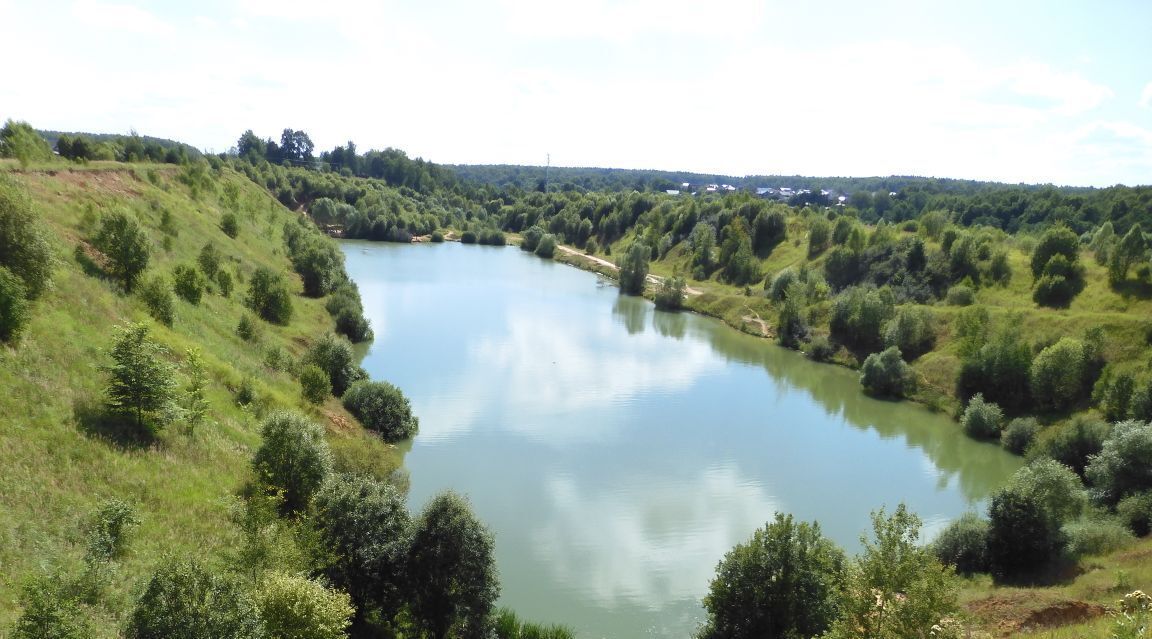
(1005, 90)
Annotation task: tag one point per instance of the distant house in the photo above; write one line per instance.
(672, 191)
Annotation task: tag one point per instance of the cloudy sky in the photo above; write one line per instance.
(1016, 90)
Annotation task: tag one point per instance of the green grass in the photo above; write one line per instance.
(59, 459)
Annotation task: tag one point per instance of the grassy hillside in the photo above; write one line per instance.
(59, 455)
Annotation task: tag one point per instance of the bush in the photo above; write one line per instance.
(1019, 435)
(246, 328)
(49, 612)
(1072, 443)
(634, 269)
(125, 245)
(14, 310)
(591, 247)
(269, 297)
(437, 237)
(778, 286)
(783, 582)
(230, 225)
(188, 283)
(492, 237)
(1135, 511)
(912, 330)
(885, 374)
(670, 294)
(507, 625)
(1053, 487)
(546, 248)
(1059, 375)
(1097, 536)
(224, 282)
(110, 528)
(320, 265)
(820, 349)
(184, 599)
(209, 260)
(1022, 537)
(293, 459)
(24, 247)
(960, 295)
(352, 324)
(381, 407)
(963, 544)
(333, 355)
(981, 419)
(468, 237)
(530, 239)
(314, 384)
(1124, 465)
(858, 317)
(298, 608)
(819, 234)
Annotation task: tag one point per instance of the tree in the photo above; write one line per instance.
(320, 264)
(250, 147)
(981, 419)
(19, 140)
(858, 317)
(140, 380)
(1124, 465)
(1053, 486)
(1000, 368)
(1132, 248)
(819, 234)
(912, 330)
(1059, 375)
(230, 225)
(382, 407)
(189, 283)
(634, 269)
(452, 570)
(1022, 536)
(333, 354)
(364, 523)
(895, 588)
(1058, 240)
(296, 147)
(886, 374)
(314, 384)
(768, 229)
(546, 248)
(781, 583)
(24, 247)
(125, 245)
(50, 612)
(293, 607)
(209, 260)
(196, 404)
(293, 459)
(670, 294)
(268, 296)
(156, 293)
(14, 312)
(185, 600)
(963, 544)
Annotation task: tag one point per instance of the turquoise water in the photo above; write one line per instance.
(617, 452)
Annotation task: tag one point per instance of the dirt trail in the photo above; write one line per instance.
(653, 279)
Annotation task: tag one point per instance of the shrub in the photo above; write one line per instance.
(293, 459)
(110, 528)
(184, 599)
(125, 245)
(293, 607)
(858, 317)
(492, 237)
(981, 419)
(1058, 240)
(530, 239)
(352, 324)
(314, 384)
(778, 287)
(1124, 465)
(437, 237)
(960, 295)
(320, 265)
(591, 247)
(820, 349)
(224, 282)
(1019, 434)
(1022, 537)
(383, 408)
(1053, 487)
(963, 544)
(19, 140)
(783, 582)
(468, 237)
(209, 260)
(912, 330)
(819, 234)
(1059, 375)
(246, 328)
(230, 225)
(269, 297)
(634, 269)
(14, 310)
(546, 248)
(1135, 511)
(24, 248)
(1073, 443)
(507, 625)
(49, 612)
(333, 354)
(188, 283)
(1097, 536)
(670, 294)
(886, 374)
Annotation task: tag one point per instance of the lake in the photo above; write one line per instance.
(616, 451)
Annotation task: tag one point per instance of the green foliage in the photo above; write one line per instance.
(293, 607)
(1096, 536)
(188, 283)
(19, 140)
(546, 248)
(230, 225)
(293, 459)
(1133, 617)
(246, 328)
(819, 234)
(1053, 487)
(768, 229)
(1001, 369)
(333, 354)
(970, 329)
(912, 330)
(981, 419)
(791, 321)
(1060, 283)
(1135, 511)
(381, 407)
(320, 264)
(184, 599)
(858, 318)
(24, 248)
(1133, 248)
(895, 587)
(1019, 435)
(364, 525)
(49, 612)
(140, 380)
(634, 269)
(736, 257)
(195, 401)
(1022, 537)
(1124, 465)
(963, 544)
(125, 246)
(1116, 396)
(269, 297)
(1058, 240)
(778, 286)
(209, 260)
(468, 237)
(1073, 443)
(109, 530)
(14, 308)
(156, 293)
(508, 626)
(885, 374)
(783, 582)
(960, 295)
(451, 568)
(314, 384)
(820, 349)
(1061, 375)
(224, 282)
(999, 270)
(670, 294)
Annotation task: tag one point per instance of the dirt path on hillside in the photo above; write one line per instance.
(652, 279)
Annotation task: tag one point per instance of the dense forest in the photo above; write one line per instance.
(1021, 310)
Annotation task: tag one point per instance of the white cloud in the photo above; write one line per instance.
(623, 20)
(120, 17)
(1146, 96)
(1070, 93)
